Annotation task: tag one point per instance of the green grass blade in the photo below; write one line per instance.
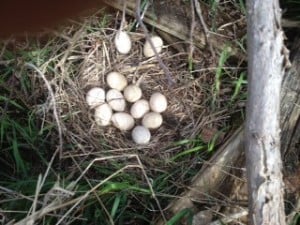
(187, 152)
(20, 164)
(184, 142)
(12, 102)
(185, 213)
(212, 142)
(3, 127)
(296, 219)
(219, 72)
(213, 13)
(242, 6)
(115, 206)
(238, 86)
(122, 186)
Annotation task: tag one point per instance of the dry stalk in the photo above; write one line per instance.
(193, 24)
(161, 63)
(206, 31)
(139, 166)
(53, 101)
(95, 193)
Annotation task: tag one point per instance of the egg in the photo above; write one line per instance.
(116, 80)
(95, 96)
(158, 102)
(141, 135)
(116, 100)
(122, 121)
(103, 114)
(123, 42)
(132, 93)
(139, 108)
(152, 120)
(158, 44)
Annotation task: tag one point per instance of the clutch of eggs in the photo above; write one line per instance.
(110, 107)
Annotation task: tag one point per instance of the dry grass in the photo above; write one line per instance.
(77, 58)
(101, 176)
(81, 59)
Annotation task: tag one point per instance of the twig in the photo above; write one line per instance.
(123, 16)
(192, 33)
(142, 14)
(7, 191)
(290, 23)
(161, 64)
(206, 31)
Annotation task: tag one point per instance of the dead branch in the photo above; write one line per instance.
(160, 62)
(262, 143)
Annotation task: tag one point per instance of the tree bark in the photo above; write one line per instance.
(265, 73)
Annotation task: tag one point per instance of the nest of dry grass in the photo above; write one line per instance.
(79, 58)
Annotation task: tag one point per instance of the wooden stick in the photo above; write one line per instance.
(262, 130)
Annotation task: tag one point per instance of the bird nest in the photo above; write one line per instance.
(81, 56)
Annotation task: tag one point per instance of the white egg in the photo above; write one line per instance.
(132, 93)
(116, 80)
(95, 96)
(158, 44)
(116, 100)
(141, 135)
(123, 42)
(139, 108)
(158, 102)
(152, 120)
(122, 121)
(103, 114)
